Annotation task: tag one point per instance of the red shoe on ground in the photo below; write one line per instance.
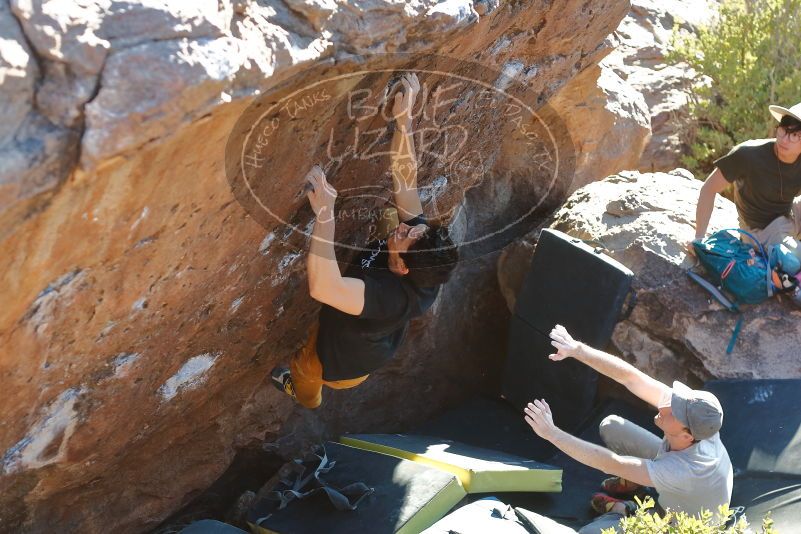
(619, 487)
(603, 503)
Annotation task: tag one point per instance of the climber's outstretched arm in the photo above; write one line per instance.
(640, 384)
(326, 283)
(540, 419)
(403, 157)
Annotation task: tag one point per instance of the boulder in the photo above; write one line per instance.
(145, 305)
(675, 331)
(18, 73)
(640, 59)
(35, 154)
(608, 120)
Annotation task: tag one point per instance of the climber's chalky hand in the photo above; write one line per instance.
(321, 194)
(404, 99)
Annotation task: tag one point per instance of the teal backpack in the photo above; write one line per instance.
(741, 274)
(738, 268)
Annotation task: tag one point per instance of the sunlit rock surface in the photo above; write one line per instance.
(640, 59)
(145, 302)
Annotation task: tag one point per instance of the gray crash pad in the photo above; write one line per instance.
(407, 498)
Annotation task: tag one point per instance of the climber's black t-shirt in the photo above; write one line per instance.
(764, 186)
(351, 346)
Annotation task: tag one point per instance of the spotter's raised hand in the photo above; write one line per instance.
(565, 345)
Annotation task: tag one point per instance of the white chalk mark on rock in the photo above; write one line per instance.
(309, 228)
(266, 242)
(141, 217)
(500, 45)
(509, 72)
(283, 265)
(45, 443)
(123, 362)
(456, 12)
(236, 303)
(429, 192)
(57, 293)
(109, 326)
(191, 374)
(140, 304)
(288, 260)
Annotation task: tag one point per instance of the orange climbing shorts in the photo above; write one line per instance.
(307, 374)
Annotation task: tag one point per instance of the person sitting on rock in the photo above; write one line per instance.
(365, 313)
(689, 467)
(767, 178)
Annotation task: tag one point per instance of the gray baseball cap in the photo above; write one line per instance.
(700, 411)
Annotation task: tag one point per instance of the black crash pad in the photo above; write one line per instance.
(408, 497)
(568, 386)
(575, 285)
(762, 433)
(491, 424)
(759, 494)
(761, 424)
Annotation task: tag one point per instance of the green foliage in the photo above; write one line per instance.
(752, 56)
(646, 522)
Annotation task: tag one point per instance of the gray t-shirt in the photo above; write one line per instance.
(698, 477)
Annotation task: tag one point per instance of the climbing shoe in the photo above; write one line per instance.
(603, 503)
(619, 487)
(282, 380)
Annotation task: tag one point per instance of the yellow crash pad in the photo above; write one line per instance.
(479, 470)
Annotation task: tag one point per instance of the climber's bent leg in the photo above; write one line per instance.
(307, 373)
(782, 230)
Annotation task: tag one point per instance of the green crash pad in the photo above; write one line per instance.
(479, 470)
(408, 497)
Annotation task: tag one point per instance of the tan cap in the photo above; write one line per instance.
(700, 411)
(778, 112)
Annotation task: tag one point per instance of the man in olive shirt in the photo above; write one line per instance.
(767, 178)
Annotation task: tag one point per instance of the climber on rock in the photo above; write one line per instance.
(689, 467)
(366, 312)
(766, 174)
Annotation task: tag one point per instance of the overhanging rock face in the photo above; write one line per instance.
(144, 305)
